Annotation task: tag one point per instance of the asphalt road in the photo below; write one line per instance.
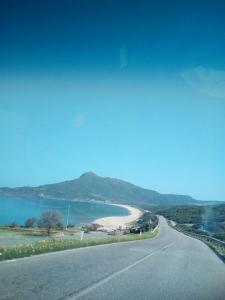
(169, 266)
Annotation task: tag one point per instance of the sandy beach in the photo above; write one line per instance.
(116, 222)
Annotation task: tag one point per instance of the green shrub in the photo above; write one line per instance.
(51, 245)
(13, 225)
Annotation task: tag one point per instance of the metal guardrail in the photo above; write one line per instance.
(202, 237)
(205, 238)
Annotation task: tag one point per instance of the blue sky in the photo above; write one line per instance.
(133, 90)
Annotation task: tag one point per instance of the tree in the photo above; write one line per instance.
(13, 224)
(49, 220)
(30, 222)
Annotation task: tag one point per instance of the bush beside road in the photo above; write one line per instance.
(52, 245)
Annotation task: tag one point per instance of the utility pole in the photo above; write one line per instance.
(68, 214)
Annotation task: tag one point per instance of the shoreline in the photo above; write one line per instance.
(108, 223)
(116, 222)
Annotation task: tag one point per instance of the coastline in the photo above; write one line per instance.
(115, 222)
(110, 222)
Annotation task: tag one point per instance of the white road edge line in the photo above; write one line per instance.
(10, 261)
(110, 277)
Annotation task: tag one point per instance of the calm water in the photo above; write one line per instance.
(20, 209)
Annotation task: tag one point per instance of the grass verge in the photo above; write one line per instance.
(52, 245)
(220, 251)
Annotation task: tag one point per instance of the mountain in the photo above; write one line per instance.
(90, 186)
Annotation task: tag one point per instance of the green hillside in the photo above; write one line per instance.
(89, 186)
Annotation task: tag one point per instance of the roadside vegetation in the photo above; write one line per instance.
(147, 222)
(206, 220)
(51, 245)
(50, 223)
(218, 249)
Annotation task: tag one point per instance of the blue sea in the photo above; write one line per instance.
(19, 209)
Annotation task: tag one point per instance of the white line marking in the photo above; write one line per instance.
(9, 261)
(167, 246)
(110, 277)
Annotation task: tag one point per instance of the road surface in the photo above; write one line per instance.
(169, 266)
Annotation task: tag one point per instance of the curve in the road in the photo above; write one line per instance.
(169, 266)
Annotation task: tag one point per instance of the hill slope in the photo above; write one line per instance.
(89, 186)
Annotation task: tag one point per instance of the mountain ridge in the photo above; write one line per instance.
(89, 186)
